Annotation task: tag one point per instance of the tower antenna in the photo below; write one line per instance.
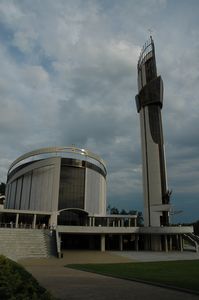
(150, 32)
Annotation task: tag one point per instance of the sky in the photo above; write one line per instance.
(68, 76)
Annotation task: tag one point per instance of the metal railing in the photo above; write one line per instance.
(24, 226)
(146, 49)
(58, 151)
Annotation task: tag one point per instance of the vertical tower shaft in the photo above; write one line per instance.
(149, 103)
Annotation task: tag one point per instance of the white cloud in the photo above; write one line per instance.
(10, 12)
(24, 40)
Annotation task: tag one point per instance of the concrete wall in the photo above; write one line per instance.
(95, 193)
(151, 171)
(35, 187)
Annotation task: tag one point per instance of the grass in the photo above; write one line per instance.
(182, 274)
(17, 284)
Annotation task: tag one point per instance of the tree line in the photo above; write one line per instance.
(116, 211)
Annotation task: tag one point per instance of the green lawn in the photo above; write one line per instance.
(183, 274)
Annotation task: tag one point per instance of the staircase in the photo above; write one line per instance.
(50, 241)
(193, 240)
(25, 243)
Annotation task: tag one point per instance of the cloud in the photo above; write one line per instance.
(68, 76)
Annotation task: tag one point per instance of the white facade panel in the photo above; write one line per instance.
(25, 195)
(143, 76)
(41, 190)
(47, 190)
(144, 167)
(18, 193)
(151, 171)
(8, 190)
(35, 187)
(95, 192)
(12, 194)
(153, 166)
(92, 191)
(102, 199)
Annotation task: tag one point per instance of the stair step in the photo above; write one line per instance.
(22, 243)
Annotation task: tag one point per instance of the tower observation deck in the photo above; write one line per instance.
(149, 103)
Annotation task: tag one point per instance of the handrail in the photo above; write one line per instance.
(58, 243)
(146, 49)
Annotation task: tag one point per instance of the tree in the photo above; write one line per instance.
(115, 211)
(123, 212)
(140, 218)
(132, 212)
(139, 214)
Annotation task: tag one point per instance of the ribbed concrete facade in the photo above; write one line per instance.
(34, 186)
(72, 179)
(95, 192)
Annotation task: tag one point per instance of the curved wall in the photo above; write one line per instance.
(57, 183)
(35, 186)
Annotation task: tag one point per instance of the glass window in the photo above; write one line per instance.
(72, 187)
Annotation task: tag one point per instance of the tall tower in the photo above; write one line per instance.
(149, 103)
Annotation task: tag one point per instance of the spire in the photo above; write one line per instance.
(150, 33)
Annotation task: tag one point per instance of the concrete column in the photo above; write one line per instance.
(129, 221)
(136, 242)
(119, 223)
(135, 222)
(122, 222)
(180, 242)
(113, 223)
(93, 221)
(17, 221)
(90, 221)
(166, 243)
(34, 221)
(103, 242)
(59, 244)
(53, 219)
(121, 243)
(156, 244)
(177, 246)
(170, 243)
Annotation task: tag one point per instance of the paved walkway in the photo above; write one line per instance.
(69, 284)
(157, 256)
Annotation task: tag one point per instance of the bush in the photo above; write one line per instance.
(17, 284)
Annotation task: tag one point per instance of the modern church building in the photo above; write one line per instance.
(63, 189)
(67, 180)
